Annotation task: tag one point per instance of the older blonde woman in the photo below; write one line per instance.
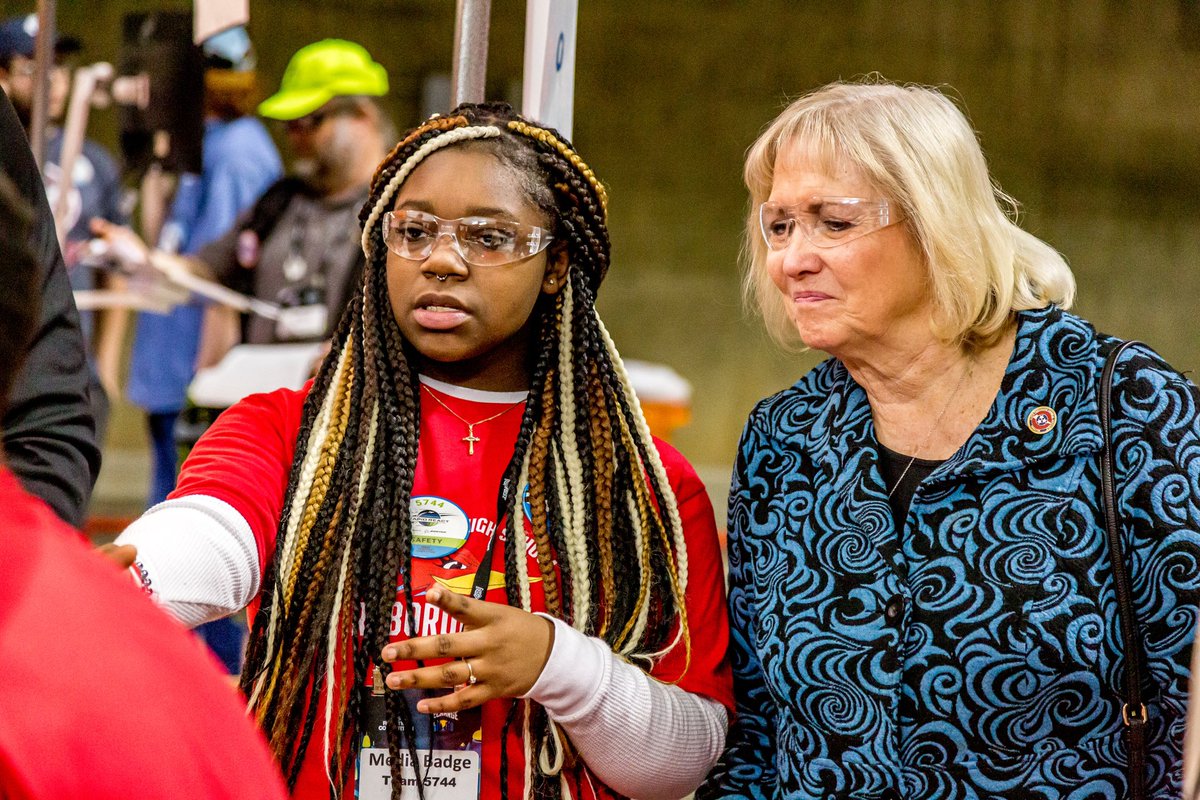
(921, 591)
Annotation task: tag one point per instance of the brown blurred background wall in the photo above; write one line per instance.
(1089, 112)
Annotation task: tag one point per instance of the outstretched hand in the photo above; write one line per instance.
(506, 649)
(122, 244)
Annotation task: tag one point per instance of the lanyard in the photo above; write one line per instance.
(483, 575)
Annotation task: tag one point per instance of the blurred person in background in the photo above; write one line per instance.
(95, 192)
(61, 736)
(239, 163)
(49, 429)
(921, 587)
(298, 245)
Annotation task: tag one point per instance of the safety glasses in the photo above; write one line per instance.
(480, 241)
(824, 221)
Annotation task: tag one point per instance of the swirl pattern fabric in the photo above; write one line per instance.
(976, 653)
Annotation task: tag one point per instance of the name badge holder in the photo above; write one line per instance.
(449, 751)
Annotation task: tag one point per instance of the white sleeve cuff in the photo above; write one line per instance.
(571, 679)
(642, 737)
(196, 556)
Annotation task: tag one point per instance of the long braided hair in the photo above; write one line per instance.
(605, 524)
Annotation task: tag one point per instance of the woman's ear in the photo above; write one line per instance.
(556, 269)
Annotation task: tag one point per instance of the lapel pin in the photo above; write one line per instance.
(1041, 420)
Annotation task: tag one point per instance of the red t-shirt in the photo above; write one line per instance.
(245, 460)
(102, 694)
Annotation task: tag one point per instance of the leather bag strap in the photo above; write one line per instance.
(1133, 710)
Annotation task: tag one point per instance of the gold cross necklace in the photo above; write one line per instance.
(470, 438)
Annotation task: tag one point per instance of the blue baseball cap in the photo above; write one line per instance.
(230, 49)
(18, 37)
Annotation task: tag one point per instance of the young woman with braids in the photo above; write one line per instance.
(472, 432)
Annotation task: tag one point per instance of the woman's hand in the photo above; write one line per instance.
(505, 647)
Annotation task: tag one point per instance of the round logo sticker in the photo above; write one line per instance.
(1041, 420)
(439, 527)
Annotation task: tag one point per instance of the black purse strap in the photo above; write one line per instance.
(1133, 710)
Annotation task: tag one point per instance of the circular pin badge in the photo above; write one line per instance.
(439, 527)
(1041, 420)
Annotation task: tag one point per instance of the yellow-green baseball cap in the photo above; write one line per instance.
(320, 72)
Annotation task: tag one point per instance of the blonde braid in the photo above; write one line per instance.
(546, 137)
(328, 454)
(576, 549)
(552, 764)
(432, 124)
(573, 464)
(643, 554)
(651, 518)
(341, 597)
(264, 684)
(656, 466)
(314, 449)
(436, 143)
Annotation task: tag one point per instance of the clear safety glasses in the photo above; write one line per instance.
(825, 221)
(480, 241)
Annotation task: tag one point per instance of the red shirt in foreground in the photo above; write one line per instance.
(101, 694)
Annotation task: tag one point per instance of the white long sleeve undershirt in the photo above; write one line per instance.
(198, 557)
(641, 737)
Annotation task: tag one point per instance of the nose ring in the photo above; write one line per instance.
(442, 278)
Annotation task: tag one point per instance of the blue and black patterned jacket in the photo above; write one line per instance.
(975, 654)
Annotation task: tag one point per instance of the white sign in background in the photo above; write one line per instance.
(548, 89)
(214, 16)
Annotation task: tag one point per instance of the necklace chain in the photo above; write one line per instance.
(932, 430)
(470, 438)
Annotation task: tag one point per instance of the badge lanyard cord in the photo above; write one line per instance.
(300, 227)
(479, 586)
(483, 575)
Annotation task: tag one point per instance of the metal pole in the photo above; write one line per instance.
(470, 51)
(43, 64)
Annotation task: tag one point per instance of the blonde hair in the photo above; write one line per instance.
(918, 149)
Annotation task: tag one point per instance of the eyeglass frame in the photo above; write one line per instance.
(313, 120)
(541, 237)
(881, 207)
